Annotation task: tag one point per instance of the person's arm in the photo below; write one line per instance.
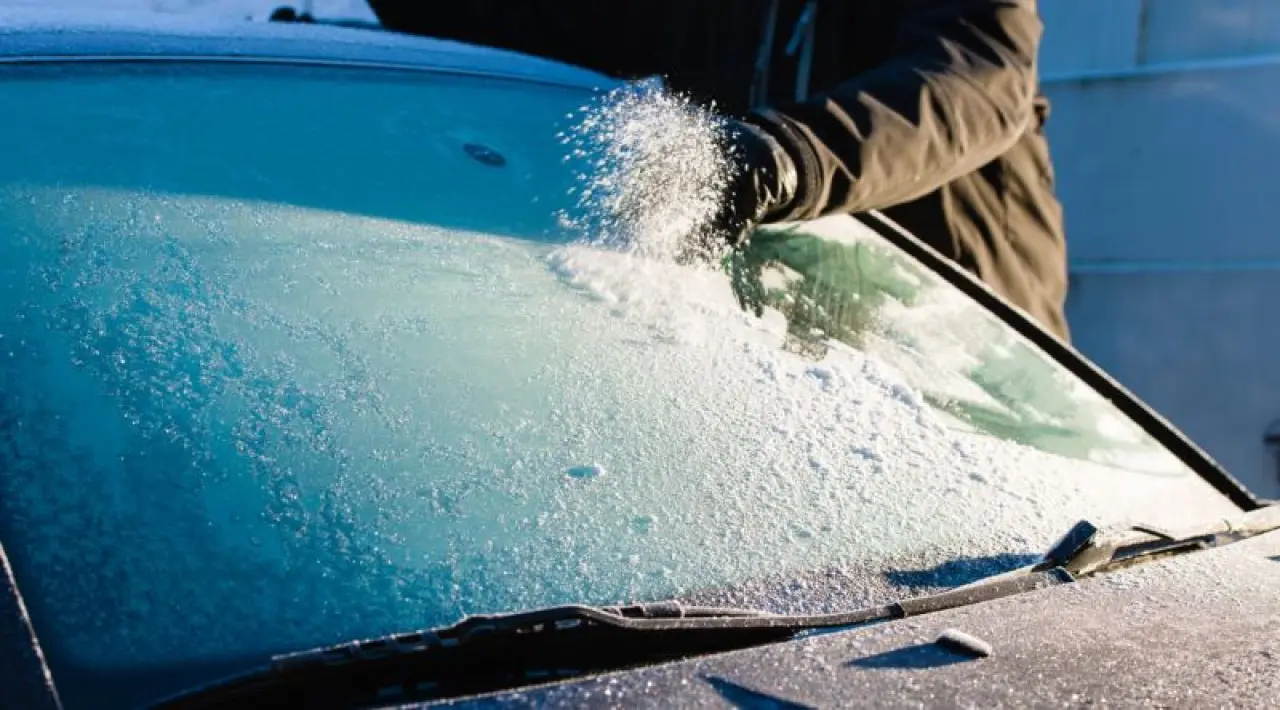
(957, 93)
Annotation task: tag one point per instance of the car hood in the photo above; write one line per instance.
(1203, 629)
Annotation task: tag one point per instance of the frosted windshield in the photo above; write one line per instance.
(292, 356)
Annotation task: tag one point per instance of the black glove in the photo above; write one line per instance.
(762, 183)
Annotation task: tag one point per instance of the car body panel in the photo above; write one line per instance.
(1198, 630)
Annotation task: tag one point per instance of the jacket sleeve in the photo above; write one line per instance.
(957, 92)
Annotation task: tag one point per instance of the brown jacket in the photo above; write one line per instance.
(928, 110)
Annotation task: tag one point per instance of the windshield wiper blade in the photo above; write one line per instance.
(501, 652)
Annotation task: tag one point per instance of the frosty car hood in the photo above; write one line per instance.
(1203, 629)
(26, 35)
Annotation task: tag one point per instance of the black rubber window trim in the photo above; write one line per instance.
(1159, 428)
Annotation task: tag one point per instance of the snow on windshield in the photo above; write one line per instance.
(341, 408)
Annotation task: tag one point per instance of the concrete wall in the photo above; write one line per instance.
(1166, 137)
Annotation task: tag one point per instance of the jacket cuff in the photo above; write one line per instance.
(795, 144)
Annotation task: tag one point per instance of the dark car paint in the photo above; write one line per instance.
(1193, 631)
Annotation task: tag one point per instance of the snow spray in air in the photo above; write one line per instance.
(650, 169)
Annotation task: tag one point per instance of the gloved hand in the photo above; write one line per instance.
(762, 183)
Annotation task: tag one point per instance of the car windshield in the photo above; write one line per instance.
(292, 355)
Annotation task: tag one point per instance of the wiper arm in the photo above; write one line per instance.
(500, 652)
(1085, 550)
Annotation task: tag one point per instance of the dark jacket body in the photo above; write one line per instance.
(928, 110)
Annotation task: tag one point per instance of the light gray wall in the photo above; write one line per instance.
(1182, 166)
(1166, 137)
(1098, 35)
(1200, 347)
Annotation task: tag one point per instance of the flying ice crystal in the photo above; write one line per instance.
(650, 167)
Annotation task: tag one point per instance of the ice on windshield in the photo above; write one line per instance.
(268, 381)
